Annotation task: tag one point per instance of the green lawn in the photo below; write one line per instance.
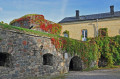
(27, 31)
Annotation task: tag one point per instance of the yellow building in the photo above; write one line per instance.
(83, 27)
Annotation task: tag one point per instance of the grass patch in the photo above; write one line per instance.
(27, 31)
(96, 68)
(47, 77)
(59, 77)
(110, 67)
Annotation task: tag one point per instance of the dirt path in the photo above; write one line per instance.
(96, 74)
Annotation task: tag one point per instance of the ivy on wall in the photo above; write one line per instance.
(86, 50)
(103, 32)
(91, 50)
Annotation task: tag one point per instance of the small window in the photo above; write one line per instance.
(103, 32)
(84, 35)
(65, 35)
(5, 60)
(48, 59)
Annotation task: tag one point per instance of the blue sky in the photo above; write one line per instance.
(54, 10)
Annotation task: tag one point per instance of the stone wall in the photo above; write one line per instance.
(22, 23)
(25, 53)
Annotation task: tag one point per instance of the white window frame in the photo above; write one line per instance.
(84, 33)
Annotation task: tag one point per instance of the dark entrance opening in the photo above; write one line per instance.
(75, 64)
(48, 59)
(102, 61)
(5, 60)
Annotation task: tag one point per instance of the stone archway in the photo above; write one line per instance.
(75, 64)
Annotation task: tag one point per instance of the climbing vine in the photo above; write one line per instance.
(38, 22)
(92, 50)
(103, 32)
(86, 50)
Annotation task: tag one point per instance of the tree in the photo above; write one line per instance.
(3, 23)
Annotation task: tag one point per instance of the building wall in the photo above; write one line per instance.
(75, 28)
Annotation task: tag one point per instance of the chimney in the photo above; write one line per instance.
(77, 14)
(112, 9)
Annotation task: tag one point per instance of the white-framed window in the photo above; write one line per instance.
(84, 34)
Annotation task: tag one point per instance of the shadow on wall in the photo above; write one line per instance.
(95, 29)
(119, 31)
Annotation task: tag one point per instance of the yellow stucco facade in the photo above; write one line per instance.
(75, 28)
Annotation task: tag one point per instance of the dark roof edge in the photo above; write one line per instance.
(87, 21)
(99, 13)
(89, 15)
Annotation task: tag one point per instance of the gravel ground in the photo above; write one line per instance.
(96, 74)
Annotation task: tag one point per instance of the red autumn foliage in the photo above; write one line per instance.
(40, 23)
(58, 42)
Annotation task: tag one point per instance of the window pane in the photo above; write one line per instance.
(65, 35)
(84, 33)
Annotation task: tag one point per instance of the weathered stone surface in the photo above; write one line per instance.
(27, 55)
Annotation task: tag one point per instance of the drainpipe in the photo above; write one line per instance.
(97, 27)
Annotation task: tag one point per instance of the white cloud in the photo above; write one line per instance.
(64, 5)
(1, 9)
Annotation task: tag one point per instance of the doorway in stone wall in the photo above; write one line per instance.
(5, 60)
(75, 64)
(102, 61)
